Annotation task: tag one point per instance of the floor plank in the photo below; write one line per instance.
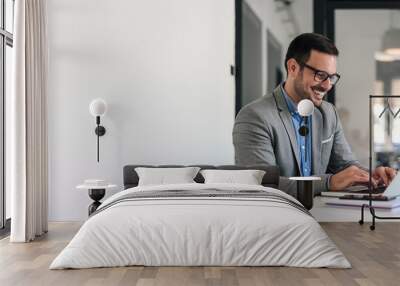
(374, 255)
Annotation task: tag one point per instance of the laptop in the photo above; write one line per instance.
(390, 192)
(394, 187)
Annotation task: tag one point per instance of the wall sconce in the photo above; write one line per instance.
(97, 108)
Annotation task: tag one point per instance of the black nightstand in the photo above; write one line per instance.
(96, 193)
(305, 191)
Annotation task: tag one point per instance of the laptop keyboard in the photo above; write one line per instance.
(378, 190)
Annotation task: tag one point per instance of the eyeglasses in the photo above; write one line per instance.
(321, 76)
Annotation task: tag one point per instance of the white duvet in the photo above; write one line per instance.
(200, 231)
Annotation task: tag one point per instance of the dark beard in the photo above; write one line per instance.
(299, 88)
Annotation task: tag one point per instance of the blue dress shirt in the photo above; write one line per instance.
(302, 142)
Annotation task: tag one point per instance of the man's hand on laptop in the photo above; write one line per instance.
(350, 176)
(384, 175)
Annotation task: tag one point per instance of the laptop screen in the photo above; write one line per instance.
(393, 190)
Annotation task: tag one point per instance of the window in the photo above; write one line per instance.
(6, 60)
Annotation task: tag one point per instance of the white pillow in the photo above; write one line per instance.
(248, 177)
(165, 176)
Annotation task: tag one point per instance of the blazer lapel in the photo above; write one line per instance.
(316, 140)
(286, 118)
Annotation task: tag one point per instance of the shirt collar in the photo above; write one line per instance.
(292, 106)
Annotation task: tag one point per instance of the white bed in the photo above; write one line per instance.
(188, 231)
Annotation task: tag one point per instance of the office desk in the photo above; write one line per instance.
(327, 213)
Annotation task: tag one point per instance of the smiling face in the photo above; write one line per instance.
(303, 80)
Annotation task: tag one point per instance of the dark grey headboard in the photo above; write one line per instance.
(270, 179)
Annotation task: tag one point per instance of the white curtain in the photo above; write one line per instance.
(28, 123)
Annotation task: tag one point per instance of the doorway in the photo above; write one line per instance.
(251, 60)
(358, 29)
(274, 62)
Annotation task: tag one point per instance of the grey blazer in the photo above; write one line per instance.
(264, 134)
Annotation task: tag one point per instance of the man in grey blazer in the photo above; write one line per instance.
(266, 131)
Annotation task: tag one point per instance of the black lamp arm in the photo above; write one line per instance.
(100, 131)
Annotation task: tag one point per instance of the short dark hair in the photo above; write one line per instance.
(301, 46)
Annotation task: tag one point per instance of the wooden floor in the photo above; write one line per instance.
(374, 255)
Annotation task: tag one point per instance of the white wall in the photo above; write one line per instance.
(163, 68)
(275, 22)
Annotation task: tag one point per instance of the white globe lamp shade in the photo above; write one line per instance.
(98, 107)
(305, 107)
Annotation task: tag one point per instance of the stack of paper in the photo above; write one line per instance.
(351, 190)
(358, 203)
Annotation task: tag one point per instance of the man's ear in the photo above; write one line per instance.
(293, 67)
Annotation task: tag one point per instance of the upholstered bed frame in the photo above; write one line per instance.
(201, 227)
(270, 179)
